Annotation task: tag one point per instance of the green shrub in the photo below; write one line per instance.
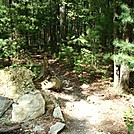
(129, 121)
(9, 48)
(85, 61)
(67, 55)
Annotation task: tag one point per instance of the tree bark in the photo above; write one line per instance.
(116, 68)
(124, 68)
(116, 74)
(63, 21)
(124, 78)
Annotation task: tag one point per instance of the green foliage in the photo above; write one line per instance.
(81, 40)
(78, 60)
(129, 121)
(126, 14)
(125, 53)
(86, 60)
(8, 47)
(83, 79)
(35, 69)
(24, 16)
(86, 25)
(5, 27)
(83, 61)
(67, 55)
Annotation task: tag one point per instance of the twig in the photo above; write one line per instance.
(9, 129)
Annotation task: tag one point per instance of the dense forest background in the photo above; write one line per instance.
(93, 36)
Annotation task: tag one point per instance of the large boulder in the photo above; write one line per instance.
(14, 82)
(29, 106)
(5, 103)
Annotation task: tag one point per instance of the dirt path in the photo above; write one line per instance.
(88, 108)
(93, 108)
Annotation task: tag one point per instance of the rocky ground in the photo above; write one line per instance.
(90, 107)
(93, 108)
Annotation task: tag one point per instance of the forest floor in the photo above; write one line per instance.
(90, 107)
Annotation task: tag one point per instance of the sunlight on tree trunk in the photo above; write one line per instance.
(124, 78)
(124, 69)
(116, 75)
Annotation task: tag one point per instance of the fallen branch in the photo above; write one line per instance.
(9, 129)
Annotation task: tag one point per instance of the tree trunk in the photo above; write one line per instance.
(116, 68)
(124, 78)
(63, 21)
(116, 74)
(124, 68)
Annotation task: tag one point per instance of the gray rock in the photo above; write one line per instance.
(30, 106)
(56, 128)
(5, 103)
(14, 82)
(58, 114)
(38, 129)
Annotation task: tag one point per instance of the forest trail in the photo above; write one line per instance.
(88, 107)
(92, 108)
(93, 114)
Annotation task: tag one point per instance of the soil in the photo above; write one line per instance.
(89, 107)
(92, 107)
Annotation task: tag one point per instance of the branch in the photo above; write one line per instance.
(9, 129)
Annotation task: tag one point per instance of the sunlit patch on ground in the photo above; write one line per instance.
(93, 108)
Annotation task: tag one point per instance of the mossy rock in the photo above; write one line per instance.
(15, 82)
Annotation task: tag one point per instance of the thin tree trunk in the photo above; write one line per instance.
(124, 69)
(124, 78)
(116, 68)
(63, 21)
(116, 73)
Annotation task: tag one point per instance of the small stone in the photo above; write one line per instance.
(56, 128)
(84, 86)
(38, 129)
(58, 114)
